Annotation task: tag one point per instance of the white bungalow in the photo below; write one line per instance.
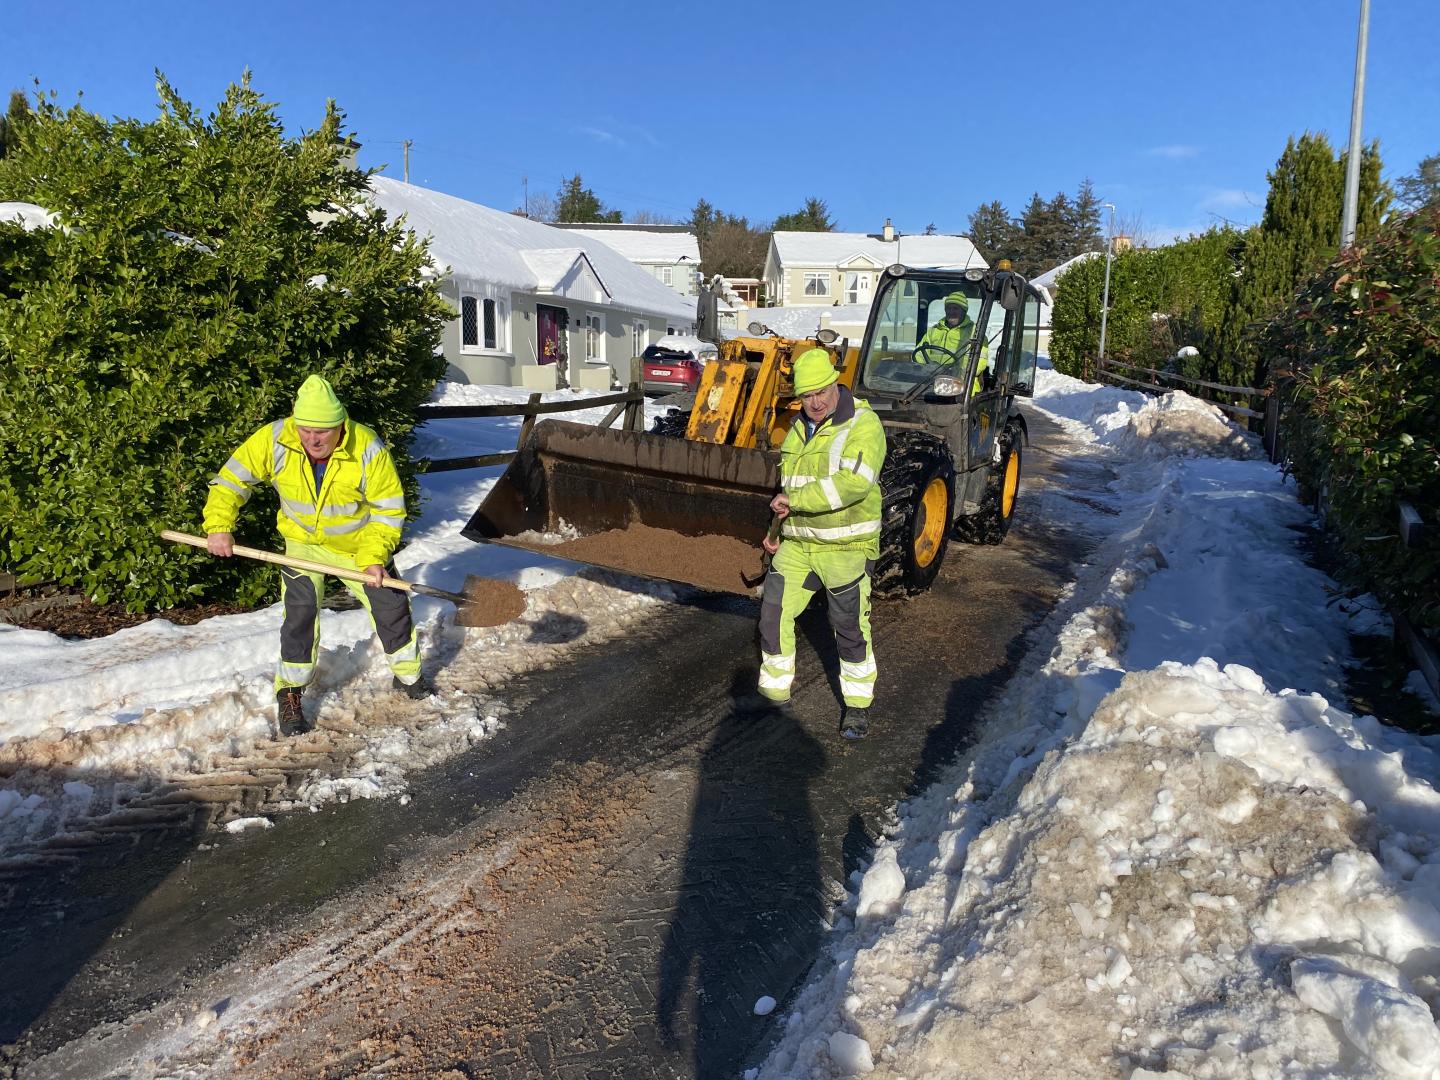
(842, 268)
(668, 253)
(535, 306)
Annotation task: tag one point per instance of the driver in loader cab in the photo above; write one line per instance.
(830, 507)
(953, 334)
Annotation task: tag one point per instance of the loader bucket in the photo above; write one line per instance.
(652, 505)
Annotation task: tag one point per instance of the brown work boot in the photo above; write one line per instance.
(291, 712)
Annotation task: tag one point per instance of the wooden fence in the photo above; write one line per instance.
(1270, 402)
(630, 403)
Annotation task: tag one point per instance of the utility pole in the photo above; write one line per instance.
(407, 161)
(1357, 108)
(525, 185)
(1105, 300)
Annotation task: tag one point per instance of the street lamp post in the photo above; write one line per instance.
(1105, 300)
(1357, 109)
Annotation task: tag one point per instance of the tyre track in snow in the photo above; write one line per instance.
(605, 888)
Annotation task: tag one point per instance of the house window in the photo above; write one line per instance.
(639, 337)
(665, 275)
(594, 339)
(482, 323)
(469, 321)
(817, 283)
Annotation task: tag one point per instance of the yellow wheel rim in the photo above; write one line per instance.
(1012, 484)
(934, 513)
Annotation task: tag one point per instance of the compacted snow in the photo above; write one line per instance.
(1173, 854)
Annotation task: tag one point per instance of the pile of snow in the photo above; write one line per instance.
(1171, 854)
(802, 320)
(85, 724)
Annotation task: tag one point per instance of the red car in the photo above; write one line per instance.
(673, 364)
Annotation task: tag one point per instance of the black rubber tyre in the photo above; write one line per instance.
(990, 524)
(913, 462)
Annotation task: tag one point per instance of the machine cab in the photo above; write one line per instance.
(955, 347)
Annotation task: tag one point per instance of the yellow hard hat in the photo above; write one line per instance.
(814, 370)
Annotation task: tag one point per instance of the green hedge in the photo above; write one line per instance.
(206, 265)
(1161, 299)
(1363, 342)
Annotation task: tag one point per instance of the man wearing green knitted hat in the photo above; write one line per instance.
(829, 504)
(341, 503)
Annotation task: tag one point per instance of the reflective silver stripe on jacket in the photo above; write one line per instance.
(277, 448)
(239, 471)
(348, 527)
(837, 532)
(244, 493)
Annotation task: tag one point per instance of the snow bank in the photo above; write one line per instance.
(120, 714)
(1171, 855)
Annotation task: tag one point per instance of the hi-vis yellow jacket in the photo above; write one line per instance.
(832, 479)
(359, 509)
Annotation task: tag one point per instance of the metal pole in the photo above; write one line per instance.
(1105, 301)
(1357, 109)
(407, 161)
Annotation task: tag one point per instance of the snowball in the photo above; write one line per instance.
(764, 1006)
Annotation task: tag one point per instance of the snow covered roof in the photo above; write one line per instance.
(1048, 279)
(644, 245)
(28, 215)
(802, 320)
(837, 248)
(484, 246)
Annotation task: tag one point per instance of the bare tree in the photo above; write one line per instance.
(541, 207)
(651, 217)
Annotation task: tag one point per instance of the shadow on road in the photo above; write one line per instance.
(748, 916)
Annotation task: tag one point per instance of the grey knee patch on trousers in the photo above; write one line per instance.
(770, 601)
(391, 611)
(302, 606)
(845, 621)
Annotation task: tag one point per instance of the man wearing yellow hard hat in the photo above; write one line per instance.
(952, 334)
(341, 503)
(830, 506)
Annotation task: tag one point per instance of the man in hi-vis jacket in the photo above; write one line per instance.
(830, 504)
(341, 503)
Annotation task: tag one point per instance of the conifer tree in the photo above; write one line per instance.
(16, 115)
(1298, 235)
(1085, 231)
(575, 202)
(993, 232)
(814, 216)
(1422, 187)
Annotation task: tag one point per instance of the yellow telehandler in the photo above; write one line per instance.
(689, 502)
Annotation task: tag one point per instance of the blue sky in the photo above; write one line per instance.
(918, 112)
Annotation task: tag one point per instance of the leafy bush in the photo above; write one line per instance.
(204, 266)
(1363, 343)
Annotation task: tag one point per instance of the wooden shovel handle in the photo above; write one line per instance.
(289, 560)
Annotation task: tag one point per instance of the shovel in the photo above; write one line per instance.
(484, 602)
(771, 534)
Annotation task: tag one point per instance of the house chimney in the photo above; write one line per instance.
(888, 233)
(349, 152)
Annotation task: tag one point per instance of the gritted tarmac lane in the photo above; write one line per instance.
(602, 889)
